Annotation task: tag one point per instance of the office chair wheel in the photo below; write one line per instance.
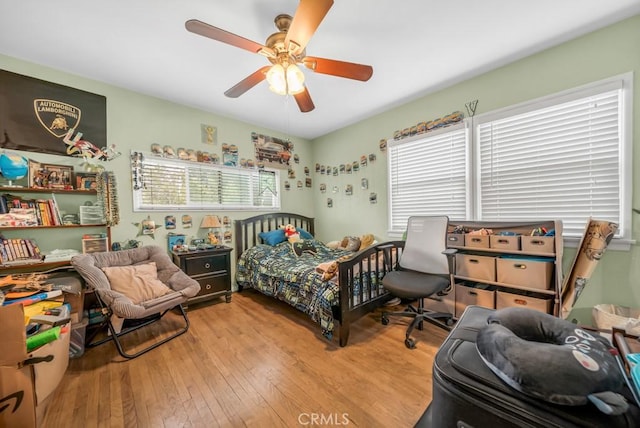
(449, 322)
(384, 320)
(410, 343)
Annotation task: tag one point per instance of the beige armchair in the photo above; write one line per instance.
(137, 284)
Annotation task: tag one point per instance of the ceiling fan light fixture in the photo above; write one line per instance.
(283, 81)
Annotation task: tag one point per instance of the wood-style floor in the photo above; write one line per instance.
(254, 362)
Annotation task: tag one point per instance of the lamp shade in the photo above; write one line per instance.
(210, 221)
(285, 80)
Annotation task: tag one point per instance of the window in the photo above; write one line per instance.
(427, 176)
(559, 157)
(168, 184)
(565, 156)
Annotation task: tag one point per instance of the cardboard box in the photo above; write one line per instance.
(538, 244)
(442, 302)
(531, 272)
(27, 379)
(481, 295)
(455, 240)
(479, 241)
(478, 268)
(500, 242)
(509, 300)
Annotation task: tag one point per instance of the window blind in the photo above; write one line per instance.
(561, 161)
(168, 184)
(427, 176)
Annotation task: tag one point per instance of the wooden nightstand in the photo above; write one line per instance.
(211, 268)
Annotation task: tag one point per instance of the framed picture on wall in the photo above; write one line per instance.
(85, 181)
(50, 176)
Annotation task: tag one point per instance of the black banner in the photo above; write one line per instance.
(36, 115)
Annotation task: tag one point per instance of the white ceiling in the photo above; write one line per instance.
(414, 46)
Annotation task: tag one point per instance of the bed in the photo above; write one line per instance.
(275, 270)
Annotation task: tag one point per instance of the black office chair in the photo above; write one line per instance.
(424, 269)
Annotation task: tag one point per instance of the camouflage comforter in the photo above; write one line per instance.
(277, 271)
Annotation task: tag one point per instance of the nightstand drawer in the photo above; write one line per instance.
(205, 264)
(211, 268)
(212, 284)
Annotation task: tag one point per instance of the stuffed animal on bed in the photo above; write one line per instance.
(353, 243)
(291, 233)
(328, 270)
(301, 247)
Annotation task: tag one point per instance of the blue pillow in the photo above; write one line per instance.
(304, 234)
(273, 237)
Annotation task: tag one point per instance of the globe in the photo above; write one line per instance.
(13, 166)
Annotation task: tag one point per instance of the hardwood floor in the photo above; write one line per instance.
(253, 362)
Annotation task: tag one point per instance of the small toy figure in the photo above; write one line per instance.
(291, 233)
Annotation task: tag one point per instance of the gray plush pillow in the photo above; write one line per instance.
(551, 359)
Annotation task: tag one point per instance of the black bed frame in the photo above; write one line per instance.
(380, 258)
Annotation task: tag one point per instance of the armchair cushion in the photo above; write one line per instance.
(139, 283)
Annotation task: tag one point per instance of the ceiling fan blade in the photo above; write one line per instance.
(333, 67)
(215, 33)
(305, 22)
(248, 82)
(305, 104)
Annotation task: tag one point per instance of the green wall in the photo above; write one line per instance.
(598, 55)
(135, 121)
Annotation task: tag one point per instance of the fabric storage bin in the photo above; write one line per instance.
(504, 242)
(480, 268)
(479, 241)
(479, 295)
(442, 303)
(523, 300)
(455, 240)
(538, 244)
(532, 272)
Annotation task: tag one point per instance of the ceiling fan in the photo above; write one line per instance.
(284, 50)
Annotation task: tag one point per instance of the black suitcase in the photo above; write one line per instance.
(467, 394)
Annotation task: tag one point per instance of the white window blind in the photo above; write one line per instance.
(561, 161)
(166, 184)
(428, 176)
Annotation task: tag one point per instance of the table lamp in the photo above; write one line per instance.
(211, 222)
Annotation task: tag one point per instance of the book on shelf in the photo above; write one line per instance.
(18, 251)
(19, 217)
(45, 211)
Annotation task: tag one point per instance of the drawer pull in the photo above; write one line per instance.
(476, 240)
(537, 242)
(453, 239)
(520, 302)
(503, 241)
(519, 266)
(207, 265)
(208, 286)
(473, 293)
(476, 261)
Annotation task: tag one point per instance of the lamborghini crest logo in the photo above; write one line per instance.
(57, 117)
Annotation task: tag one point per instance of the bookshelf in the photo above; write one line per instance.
(49, 233)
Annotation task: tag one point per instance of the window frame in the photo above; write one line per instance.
(625, 151)
(253, 175)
